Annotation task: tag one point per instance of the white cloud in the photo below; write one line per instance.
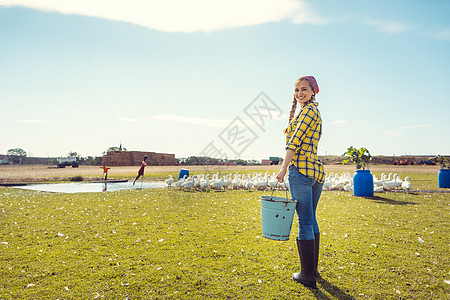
(390, 27)
(182, 15)
(400, 131)
(393, 134)
(126, 119)
(414, 126)
(338, 122)
(395, 27)
(30, 121)
(443, 35)
(193, 120)
(304, 14)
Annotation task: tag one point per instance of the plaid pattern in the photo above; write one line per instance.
(302, 136)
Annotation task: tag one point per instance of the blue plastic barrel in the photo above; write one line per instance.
(444, 178)
(183, 172)
(363, 183)
(277, 214)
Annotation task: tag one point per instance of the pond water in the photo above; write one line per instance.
(94, 187)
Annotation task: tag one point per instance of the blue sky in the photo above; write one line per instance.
(185, 77)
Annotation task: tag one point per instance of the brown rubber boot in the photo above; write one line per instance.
(307, 275)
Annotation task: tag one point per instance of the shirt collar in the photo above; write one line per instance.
(315, 103)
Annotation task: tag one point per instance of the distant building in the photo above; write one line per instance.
(265, 162)
(134, 158)
(273, 160)
(4, 160)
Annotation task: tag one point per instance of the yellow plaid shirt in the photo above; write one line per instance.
(302, 136)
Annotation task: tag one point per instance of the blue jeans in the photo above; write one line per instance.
(307, 193)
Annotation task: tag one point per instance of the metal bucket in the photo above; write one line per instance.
(277, 214)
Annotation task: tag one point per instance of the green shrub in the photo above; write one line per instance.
(76, 178)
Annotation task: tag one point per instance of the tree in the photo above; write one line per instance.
(92, 161)
(16, 155)
(73, 154)
(114, 149)
(360, 157)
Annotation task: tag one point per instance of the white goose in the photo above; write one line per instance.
(227, 181)
(262, 184)
(378, 188)
(189, 184)
(197, 183)
(285, 184)
(273, 182)
(248, 184)
(379, 182)
(406, 185)
(397, 180)
(389, 184)
(337, 182)
(348, 187)
(204, 184)
(169, 181)
(217, 184)
(236, 182)
(328, 183)
(180, 182)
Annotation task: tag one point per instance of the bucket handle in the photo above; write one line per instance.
(286, 189)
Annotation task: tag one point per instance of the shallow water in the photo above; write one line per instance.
(95, 187)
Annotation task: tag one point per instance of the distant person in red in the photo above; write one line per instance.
(141, 169)
(105, 171)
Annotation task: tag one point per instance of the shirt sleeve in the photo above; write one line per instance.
(306, 119)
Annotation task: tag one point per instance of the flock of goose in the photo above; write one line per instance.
(344, 181)
(258, 181)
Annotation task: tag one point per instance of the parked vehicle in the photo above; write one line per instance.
(404, 161)
(67, 161)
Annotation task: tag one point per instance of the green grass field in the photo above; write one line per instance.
(170, 244)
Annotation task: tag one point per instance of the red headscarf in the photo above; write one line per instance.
(312, 81)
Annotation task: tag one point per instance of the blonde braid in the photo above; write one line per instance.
(291, 113)
(293, 108)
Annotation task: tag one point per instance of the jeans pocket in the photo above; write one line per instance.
(306, 180)
(292, 172)
(296, 176)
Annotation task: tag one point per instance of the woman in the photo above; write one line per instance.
(306, 174)
(141, 169)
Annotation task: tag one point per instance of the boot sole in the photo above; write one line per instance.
(312, 285)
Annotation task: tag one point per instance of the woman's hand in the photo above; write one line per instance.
(280, 175)
(287, 160)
